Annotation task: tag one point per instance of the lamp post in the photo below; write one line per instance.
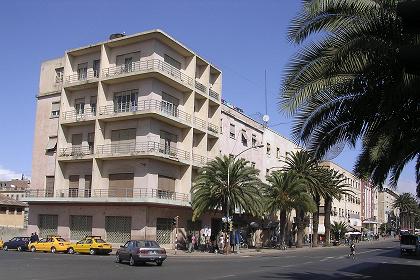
(228, 186)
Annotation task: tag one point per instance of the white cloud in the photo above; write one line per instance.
(7, 174)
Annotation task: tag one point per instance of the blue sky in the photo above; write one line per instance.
(243, 38)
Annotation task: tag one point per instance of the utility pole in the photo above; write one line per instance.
(176, 233)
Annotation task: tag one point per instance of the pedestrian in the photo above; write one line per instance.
(32, 239)
(221, 243)
(203, 243)
(189, 243)
(352, 250)
(36, 237)
(193, 242)
(232, 241)
(237, 240)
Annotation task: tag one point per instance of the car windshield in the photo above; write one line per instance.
(147, 244)
(60, 239)
(98, 240)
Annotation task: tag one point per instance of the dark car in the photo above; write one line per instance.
(141, 251)
(17, 243)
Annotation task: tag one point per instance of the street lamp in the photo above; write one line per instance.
(228, 182)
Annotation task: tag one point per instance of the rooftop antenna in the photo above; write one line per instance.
(266, 118)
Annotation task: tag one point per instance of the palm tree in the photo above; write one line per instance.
(350, 84)
(307, 169)
(408, 207)
(284, 192)
(338, 230)
(337, 186)
(211, 191)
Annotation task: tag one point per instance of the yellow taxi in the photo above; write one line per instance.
(91, 245)
(51, 244)
(1, 244)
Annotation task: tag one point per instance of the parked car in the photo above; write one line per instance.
(1, 244)
(51, 244)
(410, 244)
(141, 251)
(90, 245)
(17, 243)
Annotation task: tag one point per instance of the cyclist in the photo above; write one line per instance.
(352, 249)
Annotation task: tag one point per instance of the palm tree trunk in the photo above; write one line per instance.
(315, 222)
(300, 224)
(327, 220)
(283, 219)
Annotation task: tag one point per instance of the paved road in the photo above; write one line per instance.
(376, 260)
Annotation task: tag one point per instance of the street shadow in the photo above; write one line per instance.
(366, 270)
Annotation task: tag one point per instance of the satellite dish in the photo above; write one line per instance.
(266, 118)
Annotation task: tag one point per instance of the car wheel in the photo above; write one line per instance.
(33, 249)
(70, 251)
(92, 251)
(53, 250)
(19, 248)
(132, 261)
(159, 263)
(5, 248)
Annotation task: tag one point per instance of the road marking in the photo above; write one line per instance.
(224, 276)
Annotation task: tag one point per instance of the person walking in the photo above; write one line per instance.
(36, 237)
(352, 250)
(193, 242)
(189, 242)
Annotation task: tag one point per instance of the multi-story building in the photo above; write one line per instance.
(386, 199)
(348, 209)
(369, 206)
(16, 188)
(121, 128)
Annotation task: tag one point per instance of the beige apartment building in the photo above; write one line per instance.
(15, 188)
(386, 199)
(121, 128)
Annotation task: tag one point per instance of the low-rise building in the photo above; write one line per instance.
(12, 212)
(16, 188)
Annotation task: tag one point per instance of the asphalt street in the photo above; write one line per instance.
(374, 260)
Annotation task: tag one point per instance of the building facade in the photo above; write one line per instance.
(12, 213)
(369, 206)
(121, 128)
(15, 189)
(386, 199)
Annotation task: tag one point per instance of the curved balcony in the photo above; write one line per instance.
(200, 124)
(147, 149)
(214, 95)
(213, 130)
(170, 73)
(120, 195)
(157, 108)
(78, 116)
(83, 79)
(75, 153)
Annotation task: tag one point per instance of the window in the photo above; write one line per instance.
(267, 172)
(167, 143)
(175, 63)
(125, 101)
(55, 109)
(73, 185)
(169, 104)
(79, 105)
(254, 140)
(3, 210)
(123, 140)
(93, 105)
(96, 67)
(82, 71)
(232, 131)
(244, 138)
(221, 125)
(278, 152)
(91, 141)
(51, 144)
(253, 164)
(121, 185)
(59, 74)
(166, 186)
(268, 149)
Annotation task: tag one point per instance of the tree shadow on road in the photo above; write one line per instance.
(366, 270)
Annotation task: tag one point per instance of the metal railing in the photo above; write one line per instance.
(213, 128)
(213, 94)
(161, 107)
(147, 66)
(79, 115)
(200, 123)
(200, 87)
(110, 193)
(75, 151)
(198, 159)
(136, 148)
(82, 76)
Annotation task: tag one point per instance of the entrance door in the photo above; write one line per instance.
(88, 185)
(73, 185)
(163, 230)
(118, 229)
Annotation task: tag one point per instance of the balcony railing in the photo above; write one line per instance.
(136, 148)
(198, 159)
(147, 66)
(162, 107)
(200, 123)
(75, 151)
(82, 76)
(110, 193)
(79, 115)
(200, 87)
(214, 94)
(213, 128)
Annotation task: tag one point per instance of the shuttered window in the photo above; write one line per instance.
(49, 186)
(121, 185)
(123, 140)
(88, 185)
(175, 63)
(232, 131)
(166, 184)
(51, 144)
(73, 185)
(55, 109)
